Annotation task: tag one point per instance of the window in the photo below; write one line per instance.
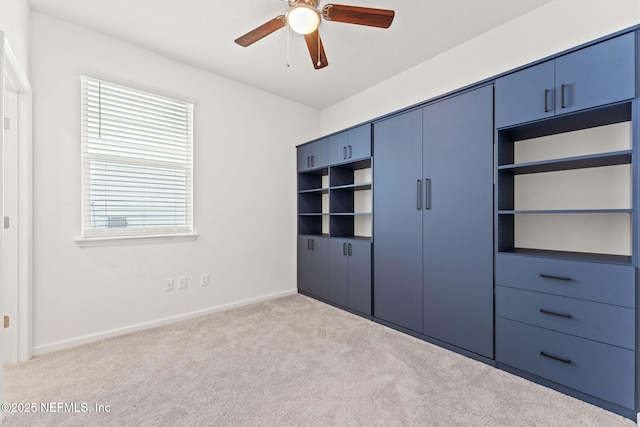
(136, 162)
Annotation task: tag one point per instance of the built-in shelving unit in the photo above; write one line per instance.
(336, 201)
(313, 191)
(506, 221)
(335, 219)
(567, 193)
(566, 224)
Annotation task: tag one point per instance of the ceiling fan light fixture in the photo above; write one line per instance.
(303, 19)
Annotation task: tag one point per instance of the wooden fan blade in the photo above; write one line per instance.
(313, 43)
(262, 31)
(381, 18)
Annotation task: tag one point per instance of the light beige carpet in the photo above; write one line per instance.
(288, 362)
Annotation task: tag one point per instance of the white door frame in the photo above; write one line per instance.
(23, 304)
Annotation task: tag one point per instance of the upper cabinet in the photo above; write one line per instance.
(351, 145)
(312, 155)
(597, 75)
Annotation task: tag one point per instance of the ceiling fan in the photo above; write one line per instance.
(304, 18)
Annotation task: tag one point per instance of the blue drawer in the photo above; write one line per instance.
(601, 370)
(600, 322)
(606, 283)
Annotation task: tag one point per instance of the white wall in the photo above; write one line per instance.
(559, 25)
(14, 21)
(244, 194)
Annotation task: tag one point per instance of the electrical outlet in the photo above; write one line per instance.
(182, 282)
(168, 284)
(204, 280)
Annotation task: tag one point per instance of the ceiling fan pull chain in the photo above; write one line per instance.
(319, 62)
(288, 49)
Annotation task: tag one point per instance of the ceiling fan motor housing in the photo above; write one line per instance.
(312, 3)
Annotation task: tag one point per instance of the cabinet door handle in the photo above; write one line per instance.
(350, 152)
(559, 359)
(349, 249)
(308, 161)
(427, 200)
(548, 276)
(553, 313)
(562, 88)
(312, 244)
(344, 152)
(313, 160)
(344, 249)
(419, 195)
(546, 100)
(308, 244)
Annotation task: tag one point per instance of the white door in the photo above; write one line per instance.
(10, 214)
(2, 68)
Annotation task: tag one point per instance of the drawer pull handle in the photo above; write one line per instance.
(548, 276)
(553, 313)
(559, 359)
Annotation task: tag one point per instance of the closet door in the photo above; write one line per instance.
(338, 271)
(397, 223)
(320, 267)
(458, 221)
(304, 264)
(360, 276)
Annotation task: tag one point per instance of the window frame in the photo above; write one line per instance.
(91, 235)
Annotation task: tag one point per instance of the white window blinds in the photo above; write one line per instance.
(136, 162)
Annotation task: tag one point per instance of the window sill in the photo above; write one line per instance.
(134, 240)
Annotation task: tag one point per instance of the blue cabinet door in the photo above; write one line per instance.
(320, 267)
(397, 222)
(359, 290)
(351, 145)
(338, 271)
(350, 274)
(359, 142)
(313, 155)
(319, 154)
(304, 157)
(304, 264)
(338, 148)
(598, 75)
(525, 95)
(458, 230)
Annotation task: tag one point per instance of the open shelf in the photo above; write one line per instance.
(565, 187)
(311, 224)
(565, 211)
(313, 181)
(594, 117)
(567, 163)
(315, 191)
(576, 256)
(336, 201)
(351, 214)
(353, 187)
(351, 225)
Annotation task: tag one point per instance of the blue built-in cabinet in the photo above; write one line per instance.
(334, 219)
(594, 76)
(499, 221)
(566, 216)
(433, 258)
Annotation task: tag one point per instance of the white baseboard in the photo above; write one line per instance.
(74, 342)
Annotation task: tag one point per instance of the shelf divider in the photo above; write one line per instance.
(565, 211)
(568, 163)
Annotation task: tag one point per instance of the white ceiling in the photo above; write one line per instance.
(201, 33)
